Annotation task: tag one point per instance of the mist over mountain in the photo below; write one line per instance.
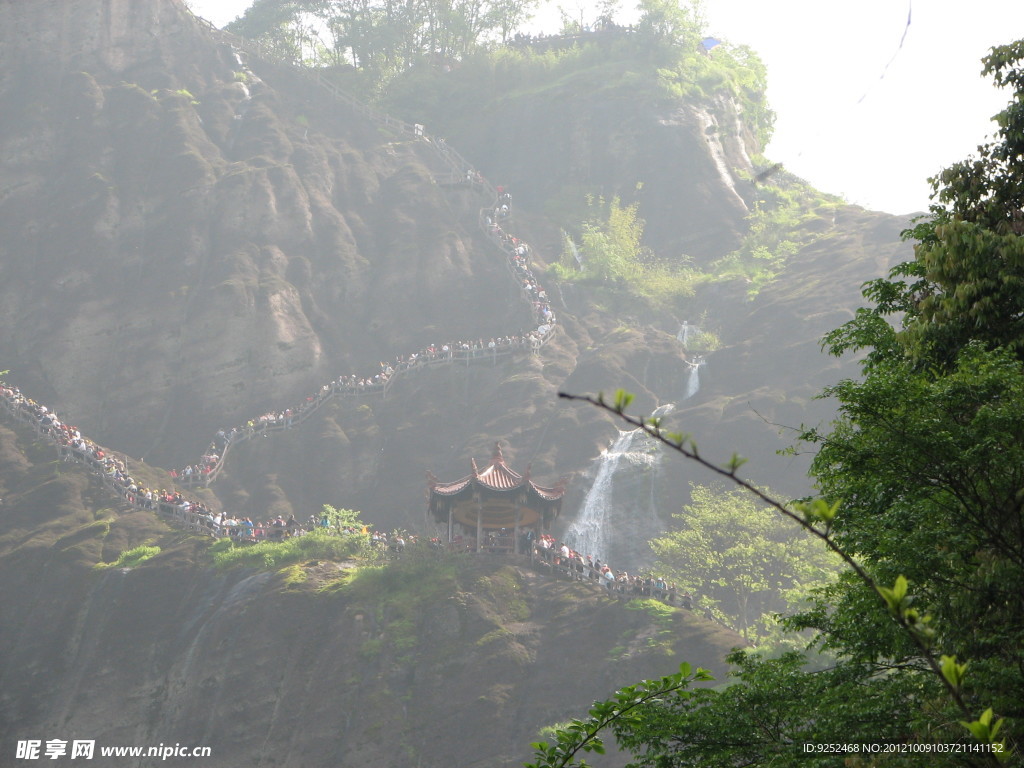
(192, 236)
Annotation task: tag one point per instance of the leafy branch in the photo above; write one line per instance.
(623, 706)
(817, 517)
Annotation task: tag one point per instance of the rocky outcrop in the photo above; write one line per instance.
(193, 237)
(683, 162)
(218, 245)
(432, 661)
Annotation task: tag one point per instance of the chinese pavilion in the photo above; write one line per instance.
(493, 506)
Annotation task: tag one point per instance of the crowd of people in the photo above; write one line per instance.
(561, 558)
(517, 253)
(113, 470)
(550, 554)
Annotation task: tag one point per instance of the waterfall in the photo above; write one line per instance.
(632, 457)
(684, 333)
(562, 296)
(693, 377)
(567, 238)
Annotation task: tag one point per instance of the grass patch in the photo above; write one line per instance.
(371, 649)
(96, 529)
(493, 636)
(275, 554)
(662, 614)
(131, 558)
(293, 576)
(505, 590)
(664, 619)
(333, 586)
(412, 576)
(402, 593)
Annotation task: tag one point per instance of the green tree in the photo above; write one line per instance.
(966, 283)
(931, 470)
(771, 709)
(506, 16)
(922, 479)
(610, 242)
(669, 20)
(340, 518)
(740, 561)
(380, 37)
(276, 24)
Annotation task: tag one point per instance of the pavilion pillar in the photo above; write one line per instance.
(515, 534)
(479, 521)
(451, 518)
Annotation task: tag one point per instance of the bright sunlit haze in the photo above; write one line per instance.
(857, 114)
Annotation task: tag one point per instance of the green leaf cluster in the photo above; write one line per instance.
(610, 255)
(742, 563)
(133, 557)
(379, 37)
(926, 628)
(623, 710)
(785, 218)
(271, 555)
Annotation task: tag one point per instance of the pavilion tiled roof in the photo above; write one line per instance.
(496, 476)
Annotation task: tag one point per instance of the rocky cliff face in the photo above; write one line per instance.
(685, 161)
(180, 247)
(599, 131)
(433, 661)
(190, 237)
(193, 236)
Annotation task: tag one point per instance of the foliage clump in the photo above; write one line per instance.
(921, 494)
(318, 545)
(133, 557)
(741, 562)
(780, 223)
(437, 60)
(402, 594)
(341, 535)
(610, 255)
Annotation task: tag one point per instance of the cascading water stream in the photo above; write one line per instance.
(567, 239)
(622, 498)
(693, 378)
(590, 532)
(684, 333)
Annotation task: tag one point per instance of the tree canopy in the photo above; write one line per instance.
(741, 562)
(381, 36)
(921, 480)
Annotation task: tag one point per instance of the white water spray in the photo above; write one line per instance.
(693, 377)
(567, 238)
(589, 533)
(684, 333)
(689, 333)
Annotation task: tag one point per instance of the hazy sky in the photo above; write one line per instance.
(841, 124)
